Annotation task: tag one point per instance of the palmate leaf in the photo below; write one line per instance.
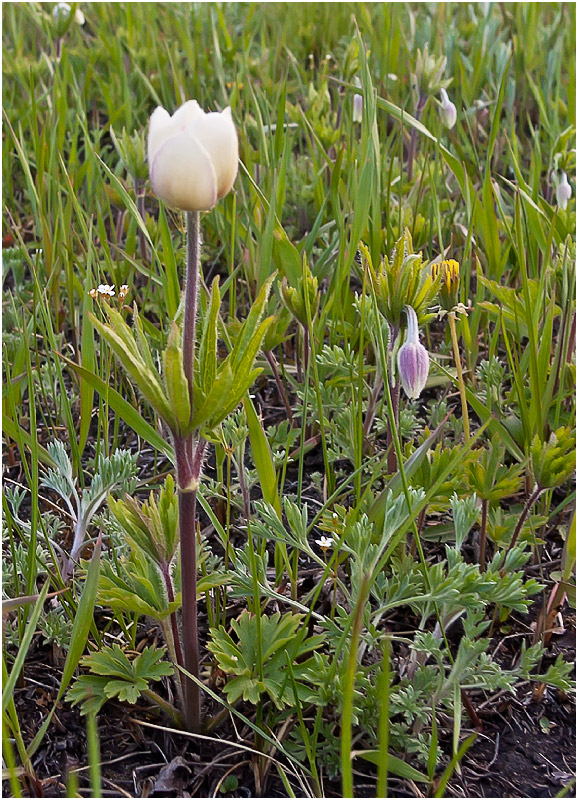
(88, 690)
(126, 691)
(281, 637)
(113, 674)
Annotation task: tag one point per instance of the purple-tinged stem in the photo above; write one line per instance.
(523, 516)
(280, 387)
(413, 136)
(187, 514)
(174, 627)
(391, 456)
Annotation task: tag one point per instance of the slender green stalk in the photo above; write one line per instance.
(348, 691)
(8, 754)
(169, 708)
(93, 754)
(384, 690)
(537, 491)
(460, 375)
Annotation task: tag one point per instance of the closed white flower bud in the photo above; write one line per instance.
(193, 156)
(448, 111)
(563, 191)
(357, 104)
(412, 359)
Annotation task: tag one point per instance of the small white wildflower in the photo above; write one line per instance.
(563, 191)
(325, 542)
(106, 290)
(93, 293)
(123, 291)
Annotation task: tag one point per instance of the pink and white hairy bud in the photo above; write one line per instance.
(412, 359)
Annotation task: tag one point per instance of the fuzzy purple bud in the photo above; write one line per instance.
(412, 359)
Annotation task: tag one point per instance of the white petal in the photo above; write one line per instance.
(182, 174)
(158, 124)
(217, 133)
(162, 125)
(185, 113)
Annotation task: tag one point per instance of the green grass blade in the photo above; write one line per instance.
(24, 645)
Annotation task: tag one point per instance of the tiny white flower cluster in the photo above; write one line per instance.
(459, 308)
(107, 290)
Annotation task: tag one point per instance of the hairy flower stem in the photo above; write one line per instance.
(189, 457)
(191, 296)
(177, 653)
(139, 190)
(171, 637)
(457, 359)
(187, 514)
(372, 404)
(413, 136)
(392, 456)
(280, 387)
